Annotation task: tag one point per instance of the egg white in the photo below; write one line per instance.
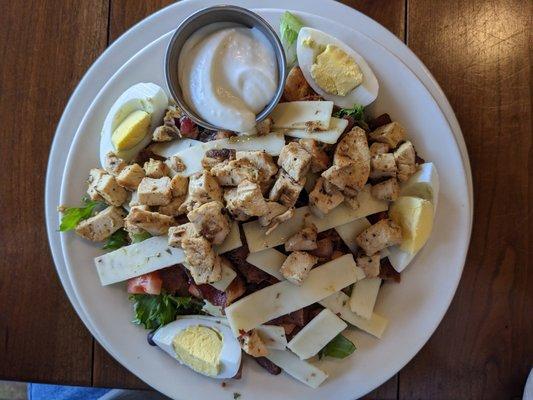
(364, 94)
(147, 97)
(230, 355)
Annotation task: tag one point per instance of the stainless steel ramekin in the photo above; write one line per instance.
(210, 15)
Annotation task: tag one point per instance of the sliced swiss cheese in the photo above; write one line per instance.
(316, 334)
(151, 255)
(273, 336)
(168, 149)
(349, 231)
(301, 370)
(285, 297)
(137, 259)
(192, 156)
(364, 296)
(303, 114)
(339, 303)
(330, 135)
(257, 238)
(268, 260)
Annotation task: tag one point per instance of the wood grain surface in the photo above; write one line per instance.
(480, 53)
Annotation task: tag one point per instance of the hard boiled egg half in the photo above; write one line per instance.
(334, 70)
(414, 211)
(131, 121)
(205, 344)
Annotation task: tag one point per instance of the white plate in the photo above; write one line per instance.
(418, 303)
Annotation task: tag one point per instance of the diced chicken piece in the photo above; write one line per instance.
(392, 134)
(131, 176)
(246, 200)
(177, 233)
(264, 127)
(165, 133)
(205, 266)
(319, 158)
(274, 209)
(383, 166)
(262, 161)
(113, 165)
(154, 192)
(172, 118)
(152, 222)
(234, 172)
(217, 156)
(252, 344)
(370, 265)
(175, 165)
(296, 86)
(134, 199)
(102, 225)
(303, 240)
(173, 209)
(388, 190)
(112, 193)
(322, 200)
(297, 265)
(94, 176)
(382, 234)
(405, 157)
(295, 160)
(156, 169)
(354, 201)
(351, 163)
(179, 185)
(286, 190)
(210, 222)
(378, 148)
(203, 188)
(280, 219)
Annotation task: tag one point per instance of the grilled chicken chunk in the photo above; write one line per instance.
(295, 160)
(324, 198)
(154, 192)
(102, 225)
(391, 134)
(210, 222)
(376, 237)
(131, 176)
(388, 190)
(246, 200)
(286, 190)
(297, 266)
(370, 265)
(152, 222)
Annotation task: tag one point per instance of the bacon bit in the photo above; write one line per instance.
(188, 128)
(380, 120)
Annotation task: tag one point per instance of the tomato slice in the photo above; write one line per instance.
(145, 284)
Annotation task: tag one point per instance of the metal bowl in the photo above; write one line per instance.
(216, 14)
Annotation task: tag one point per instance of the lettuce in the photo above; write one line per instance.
(289, 27)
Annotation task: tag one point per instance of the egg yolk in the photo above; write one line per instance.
(336, 72)
(415, 217)
(131, 130)
(199, 348)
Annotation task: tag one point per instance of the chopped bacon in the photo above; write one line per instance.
(387, 271)
(251, 273)
(222, 299)
(188, 128)
(324, 249)
(145, 284)
(375, 218)
(380, 120)
(268, 365)
(175, 280)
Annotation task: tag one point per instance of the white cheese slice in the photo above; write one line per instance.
(330, 135)
(339, 304)
(168, 149)
(301, 114)
(268, 260)
(257, 238)
(273, 336)
(211, 309)
(285, 297)
(192, 157)
(227, 277)
(364, 296)
(349, 231)
(151, 255)
(316, 334)
(232, 241)
(301, 370)
(137, 259)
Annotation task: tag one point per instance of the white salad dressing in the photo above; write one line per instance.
(228, 74)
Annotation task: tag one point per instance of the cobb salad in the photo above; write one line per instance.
(272, 240)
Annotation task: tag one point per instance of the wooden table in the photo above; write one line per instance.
(479, 52)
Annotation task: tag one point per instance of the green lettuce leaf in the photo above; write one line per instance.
(289, 27)
(357, 112)
(117, 240)
(153, 311)
(139, 237)
(72, 216)
(339, 347)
